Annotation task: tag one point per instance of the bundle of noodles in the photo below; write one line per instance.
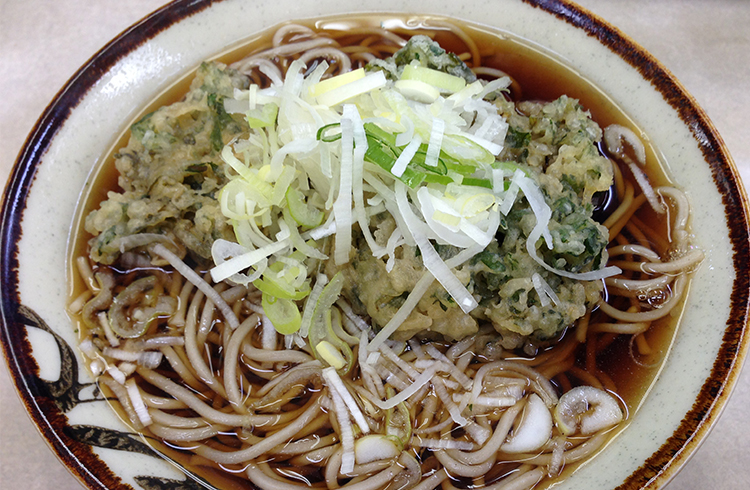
(284, 372)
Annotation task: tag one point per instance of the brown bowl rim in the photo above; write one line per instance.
(81, 460)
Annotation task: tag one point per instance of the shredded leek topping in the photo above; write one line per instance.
(378, 176)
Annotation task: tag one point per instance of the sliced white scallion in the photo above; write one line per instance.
(137, 401)
(389, 199)
(326, 229)
(244, 171)
(405, 137)
(488, 145)
(113, 340)
(116, 374)
(296, 239)
(352, 89)
(406, 156)
(453, 409)
(544, 290)
(228, 268)
(330, 354)
(543, 214)
(557, 458)
(342, 207)
(457, 374)
(442, 219)
(325, 161)
(539, 206)
(357, 320)
(494, 86)
(223, 250)
(581, 276)
(149, 359)
(478, 235)
(496, 401)
(127, 368)
(372, 358)
(430, 257)
(498, 182)
(347, 435)
(360, 148)
(97, 367)
(444, 444)
(271, 74)
(280, 187)
(436, 142)
(404, 395)
(462, 96)
(510, 196)
(494, 128)
(235, 106)
(336, 383)
(395, 240)
(88, 348)
(293, 78)
(417, 90)
(441, 80)
(335, 82)
(297, 146)
(396, 359)
(314, 78)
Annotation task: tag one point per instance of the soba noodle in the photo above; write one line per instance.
(210, 382)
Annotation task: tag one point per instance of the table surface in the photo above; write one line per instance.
(705, 43)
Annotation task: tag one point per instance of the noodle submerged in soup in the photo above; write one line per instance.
(355, 258)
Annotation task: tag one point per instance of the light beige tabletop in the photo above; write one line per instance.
(705, 43)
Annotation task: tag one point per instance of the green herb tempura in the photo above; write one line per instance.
(260, 172)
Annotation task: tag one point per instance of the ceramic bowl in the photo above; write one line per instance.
(80, 125)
